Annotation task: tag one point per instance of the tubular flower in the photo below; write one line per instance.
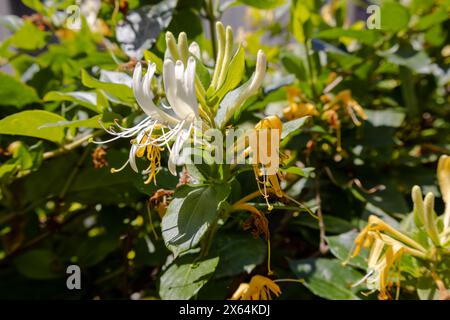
(162, 127)
(443, 174)
(297, 108)
(265, 176)
(345, 100)
(387, 245)
(380, 264)
(259, 288)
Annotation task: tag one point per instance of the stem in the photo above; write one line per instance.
(212, 25)
(73, 174)
(323, 245)
(73, 145)
(251, 196)
(290, 280)
(312, 77)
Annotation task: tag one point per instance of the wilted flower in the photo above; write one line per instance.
(259, 288)
(344, 100)
(298, 108)
(387, 245)
(268, 178)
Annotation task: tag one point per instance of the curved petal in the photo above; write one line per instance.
(175, 86)
(181, 139)
(194, 49)
(190, 85)
(144, 96)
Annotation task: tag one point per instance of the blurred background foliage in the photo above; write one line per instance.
(60, 205)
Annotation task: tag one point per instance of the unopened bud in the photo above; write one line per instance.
(172, 45)
(183, 47)
(430, 219)
(419, 212)
(14, 147)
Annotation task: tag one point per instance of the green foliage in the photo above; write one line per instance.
(377, 124)
(191, 214)
(32, 123)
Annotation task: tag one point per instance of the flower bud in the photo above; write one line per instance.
(183, 47)
(13, 148)
(419, 212)
(430, 219)
(172, 46)
(443, 174)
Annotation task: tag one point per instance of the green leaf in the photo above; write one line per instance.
(294, 64)
(368, 37)
(29, 37)
(238, 252)
(203, 73)
(85, 99)
(431, 19)
(115, 91)
(266, 4)
(35, 4)
(327, 278)
(93, 250)
(341, 247)
(301, 24)
(150, 56)
(15, 93)
(394, 16)
(30, 123)
(190, 214)
(332, 224)
(185, 277)
(39, 264)
(231, 104)
(305, 172)
(292, 127)
(7, 169)
(234, 75)
(93, 122)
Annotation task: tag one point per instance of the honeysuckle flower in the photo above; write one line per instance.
(298, 108)
(380, 263)
(268, 179)
(345, 100)
(161, 126)
(259, 288)
(443, 174)
(387, 245)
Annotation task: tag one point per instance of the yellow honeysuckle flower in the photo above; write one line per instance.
(382, 229)
(297, 107)
(263, 179)
(387, 245)
(259, 288)
(443, 174)
(345, 100)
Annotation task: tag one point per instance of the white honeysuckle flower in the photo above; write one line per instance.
(194, 49)
(161, 126)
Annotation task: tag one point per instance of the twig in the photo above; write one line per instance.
(323, 247)
(209, 8)
(73, 145)
(74, 173)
